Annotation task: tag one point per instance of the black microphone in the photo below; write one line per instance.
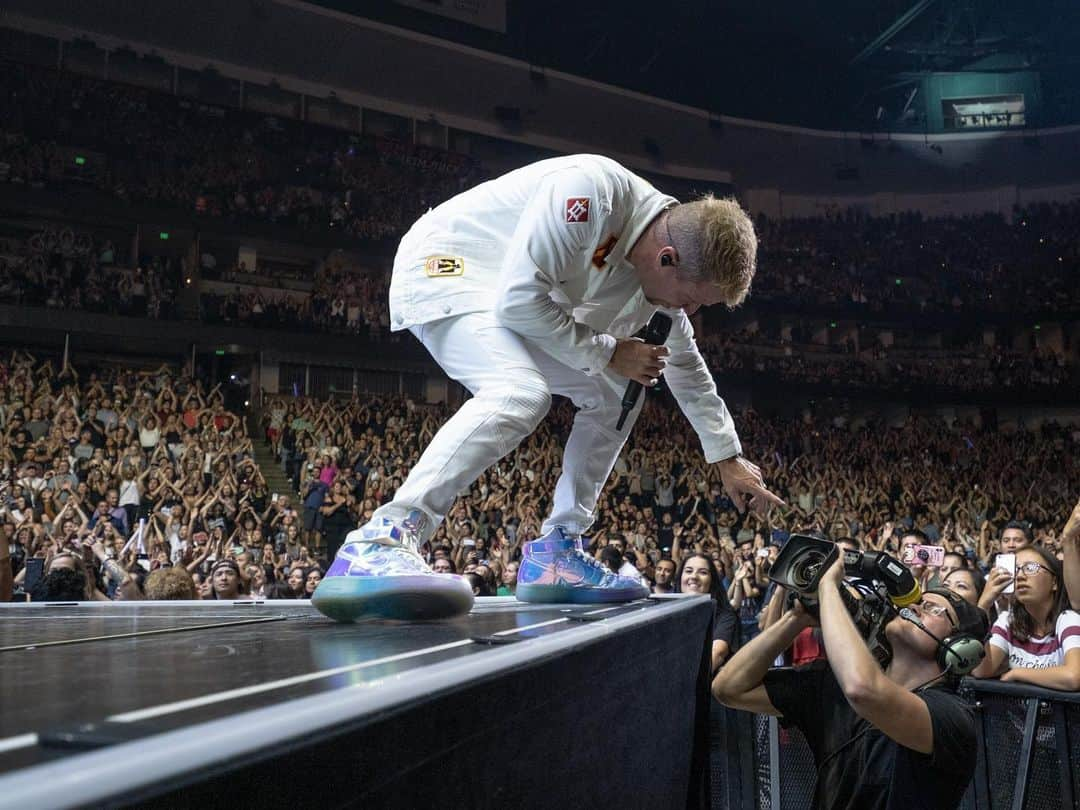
(656, 333)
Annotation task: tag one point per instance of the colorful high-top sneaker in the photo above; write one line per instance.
(379, 573)
(556, 569)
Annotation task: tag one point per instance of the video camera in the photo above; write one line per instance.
(882, 585)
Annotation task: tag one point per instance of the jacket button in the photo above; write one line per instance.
(446, 308)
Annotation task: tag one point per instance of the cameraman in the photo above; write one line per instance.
(901, 738)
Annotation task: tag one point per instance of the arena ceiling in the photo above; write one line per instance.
(830, 64)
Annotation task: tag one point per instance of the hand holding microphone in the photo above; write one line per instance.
(641, 361)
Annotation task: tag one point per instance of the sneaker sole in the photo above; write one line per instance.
(405, 598)
(577, 595)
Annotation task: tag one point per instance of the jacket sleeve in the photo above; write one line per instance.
(694, 389)
(550, 241)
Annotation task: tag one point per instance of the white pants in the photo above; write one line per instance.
(512, 383)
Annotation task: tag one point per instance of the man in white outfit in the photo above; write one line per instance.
(530, 285)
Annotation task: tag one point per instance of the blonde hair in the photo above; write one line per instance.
(169, 583)
(716, 240)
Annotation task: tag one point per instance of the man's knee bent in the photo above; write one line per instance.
(521, 400)
(532, 398)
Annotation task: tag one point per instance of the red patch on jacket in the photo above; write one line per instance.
(577, 209)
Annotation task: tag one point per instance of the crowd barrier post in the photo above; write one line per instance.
(1045, 722)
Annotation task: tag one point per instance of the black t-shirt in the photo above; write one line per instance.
(726, 624)
(873, 772)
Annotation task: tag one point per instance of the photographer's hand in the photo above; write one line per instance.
(833, 577)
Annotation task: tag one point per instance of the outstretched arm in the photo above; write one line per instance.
(695, 390)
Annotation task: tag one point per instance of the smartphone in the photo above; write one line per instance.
(273, 498)
(1008, 562)
(924, 555)
(35, 569)
(763, 552)
(930, 555)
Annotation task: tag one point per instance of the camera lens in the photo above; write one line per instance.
(805, 570)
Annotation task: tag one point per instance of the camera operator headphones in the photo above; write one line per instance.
(961, 652)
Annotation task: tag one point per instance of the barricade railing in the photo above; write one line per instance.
(1028, 754)
(1029, 747)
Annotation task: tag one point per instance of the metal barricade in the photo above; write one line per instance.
(1029, 746)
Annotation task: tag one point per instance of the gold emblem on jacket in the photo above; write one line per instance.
(444, 266)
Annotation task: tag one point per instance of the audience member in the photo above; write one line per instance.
(1037, 641)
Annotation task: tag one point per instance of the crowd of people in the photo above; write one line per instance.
(240, 166)
(150, 468)
(664, 516)
(62, 268)
(143, 146)
(909, 263)
(59, 267)
(345, 299)
(973, 368)
(116, 473)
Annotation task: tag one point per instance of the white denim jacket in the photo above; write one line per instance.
(544, 248)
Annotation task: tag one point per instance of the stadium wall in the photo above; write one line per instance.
(434, 83)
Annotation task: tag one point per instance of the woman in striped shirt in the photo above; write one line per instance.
(1037, 641)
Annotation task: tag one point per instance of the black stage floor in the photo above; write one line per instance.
(74, 678)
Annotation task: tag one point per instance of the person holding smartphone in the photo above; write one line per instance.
(999, 585)
(1037, 640)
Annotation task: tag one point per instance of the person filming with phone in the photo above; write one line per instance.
(894, 738)
(1037, 640)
